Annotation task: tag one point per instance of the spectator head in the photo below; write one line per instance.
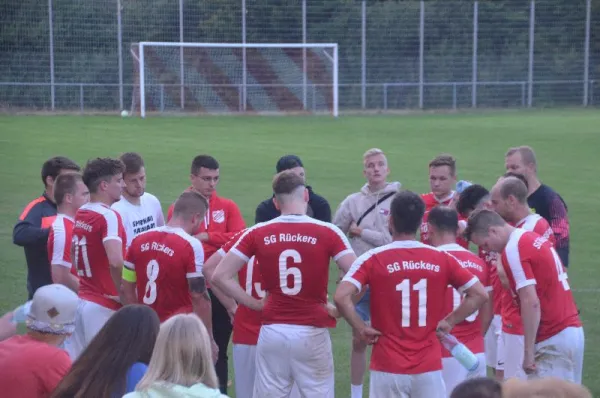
(480, 387)
(134, 175)
(128, 337)
(376, 168)
(52, 311)
(182, 355)
(291, 163)
(204, 175)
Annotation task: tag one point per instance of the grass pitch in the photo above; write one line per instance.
(566, 142)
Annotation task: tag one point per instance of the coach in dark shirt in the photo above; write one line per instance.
(542, 199)
(318, 207)
(31, 231)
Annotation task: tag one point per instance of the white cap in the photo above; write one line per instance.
(52, 310)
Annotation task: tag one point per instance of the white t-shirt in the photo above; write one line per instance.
(139, 218)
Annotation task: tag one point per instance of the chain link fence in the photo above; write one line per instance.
(69, 55)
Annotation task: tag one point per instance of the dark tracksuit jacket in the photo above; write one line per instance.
(318, 208)
(31, 232)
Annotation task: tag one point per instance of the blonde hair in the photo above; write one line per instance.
(182, 355)
(527, 154)
(373, 152)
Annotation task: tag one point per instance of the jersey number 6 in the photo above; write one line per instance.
(284, 272)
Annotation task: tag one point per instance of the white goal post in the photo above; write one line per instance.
(225, 78)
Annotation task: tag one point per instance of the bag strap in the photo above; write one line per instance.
(370, 209)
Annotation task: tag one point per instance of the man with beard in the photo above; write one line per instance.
(140, 210)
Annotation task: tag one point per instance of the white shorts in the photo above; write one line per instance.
(292, 353)
(561, 356)
(514, 353)
(244, 367)
(424, 385)
(90, 318)
(494, 345)
(454, 373)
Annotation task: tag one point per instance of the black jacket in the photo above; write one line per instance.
(31, 232)
(318, 208)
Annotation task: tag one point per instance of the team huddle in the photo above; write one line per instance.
(511, 304)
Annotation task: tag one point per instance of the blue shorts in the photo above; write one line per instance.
(363, 307)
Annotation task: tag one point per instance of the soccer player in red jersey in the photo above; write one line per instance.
(509, 200)
(553, 333)
(407, 280)
(70, 193)
(443, 227)
(165, 265)
(98, 249)
(442, 177)
(477, 197)
(293, 252)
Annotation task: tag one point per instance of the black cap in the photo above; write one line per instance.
(288, 162)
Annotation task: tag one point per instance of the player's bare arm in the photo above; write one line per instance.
(486, 313)
(202, 305)
(343, 300)
(530, 314)
(208, 270)
(114, 253)
(224, 278)
(475, 297)
(63, 276)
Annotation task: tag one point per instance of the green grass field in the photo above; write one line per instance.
(566, 141)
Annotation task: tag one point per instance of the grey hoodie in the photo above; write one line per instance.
(375, 231)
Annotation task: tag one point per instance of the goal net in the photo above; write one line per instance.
(229, 78)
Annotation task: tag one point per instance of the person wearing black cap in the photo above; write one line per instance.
(318, 207)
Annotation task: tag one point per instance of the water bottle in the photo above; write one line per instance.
(459, 351)
(20, 313)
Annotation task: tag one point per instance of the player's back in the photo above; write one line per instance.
(408, 280)
(532, 259)
(468, 331)
(293, 253)
(96, 223)
(535, 223)
(164, 258)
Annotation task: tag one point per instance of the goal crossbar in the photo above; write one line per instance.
(333, 58)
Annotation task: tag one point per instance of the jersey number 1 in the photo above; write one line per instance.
(405, 288)
(81, 245)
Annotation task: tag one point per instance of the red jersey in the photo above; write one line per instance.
(432, 201)
(222, 221)
(530, 259)
(406, 279)
(246, 322)
(162, 259)
(59, 242)
(511, 313)
(293, 254)
(96, 223)
(491, 259)
(467, 332)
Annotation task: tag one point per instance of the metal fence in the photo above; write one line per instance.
(69, 55)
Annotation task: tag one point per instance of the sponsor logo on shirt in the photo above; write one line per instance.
(218, 216)
(143, 225)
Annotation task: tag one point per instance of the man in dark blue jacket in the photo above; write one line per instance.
(318, 207)
(31, 231)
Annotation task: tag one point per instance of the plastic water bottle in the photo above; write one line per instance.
(20, 313)
(459, 351)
